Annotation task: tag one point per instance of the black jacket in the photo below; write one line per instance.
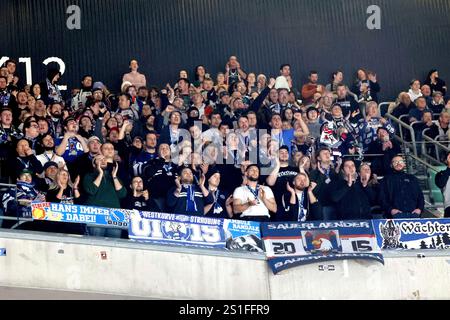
(402, 109)
(159, 176)
(84, 165)
(139, 203)
(434, 131)
(322, 191)
(352, 203)
(439, 86)
(348, 105)
(20, 163)
(381, 165)
(442, 178)
(401, 191)
(373, 86)
(289, 211)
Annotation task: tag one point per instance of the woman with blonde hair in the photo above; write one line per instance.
(64, 191)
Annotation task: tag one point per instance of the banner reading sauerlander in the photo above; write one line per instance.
(292, 244)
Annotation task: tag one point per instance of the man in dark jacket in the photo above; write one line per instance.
(352, 195)
(386, 148)
(400, 194)
(299, 200)
(159, 176)
(442, 181)
(280, 175)
(348, 104)
(404, 106)
(139, 198)
(25, 160)
(189, 197)
(323, 176)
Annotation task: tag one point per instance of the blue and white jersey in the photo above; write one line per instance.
(74, 149)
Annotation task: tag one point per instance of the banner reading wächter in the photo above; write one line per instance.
(413, 234)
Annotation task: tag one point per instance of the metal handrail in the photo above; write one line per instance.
(427, 182)
(382, 104)
(408, 127)
(436, 143)
(425, 144)
(20, 220)
(424, 149)
(426, 164)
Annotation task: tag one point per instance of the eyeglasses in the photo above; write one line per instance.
(398, 162)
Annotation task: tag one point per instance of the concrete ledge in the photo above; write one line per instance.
(124, 268)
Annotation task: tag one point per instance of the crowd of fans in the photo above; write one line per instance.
(240, 145)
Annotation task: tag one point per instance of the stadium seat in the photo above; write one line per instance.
(435, 193)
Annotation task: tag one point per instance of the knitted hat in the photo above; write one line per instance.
(98, 86)
(210, 173)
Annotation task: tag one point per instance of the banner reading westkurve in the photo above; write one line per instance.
(197, 231)
(293, 244)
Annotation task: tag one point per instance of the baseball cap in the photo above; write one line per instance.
(50, 164)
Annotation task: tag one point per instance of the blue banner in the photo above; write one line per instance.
(413, 234)
(197, 231)
(80, 214)
(243, 235)
(293, 244)
(160, 228)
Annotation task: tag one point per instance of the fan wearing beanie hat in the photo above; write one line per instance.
(222, 205)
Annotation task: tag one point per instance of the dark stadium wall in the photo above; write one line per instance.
(169, 35)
